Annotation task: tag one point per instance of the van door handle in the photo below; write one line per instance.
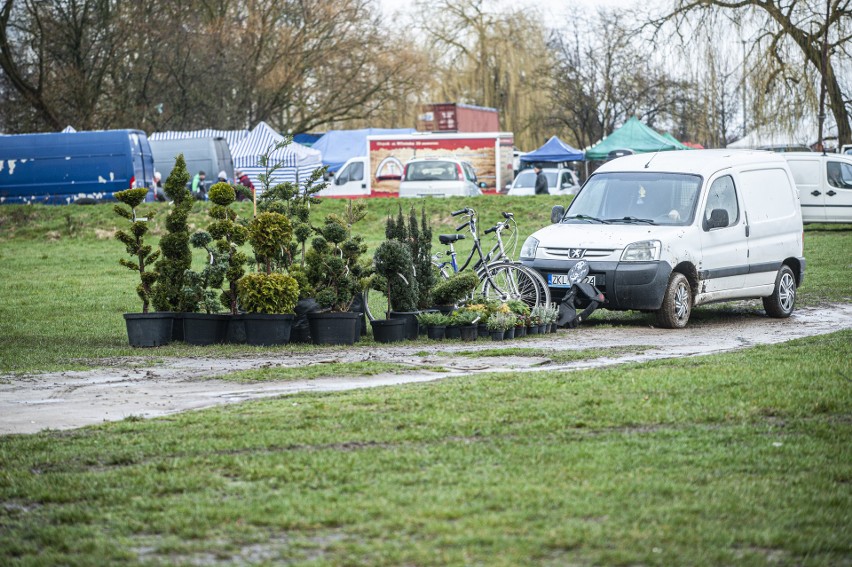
(363, 186)
(816, 193)
(831, 193)
(747, 231)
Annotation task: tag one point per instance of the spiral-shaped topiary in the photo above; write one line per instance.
(269, 235)
(177, 257)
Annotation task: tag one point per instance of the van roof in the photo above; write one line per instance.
(701, 162)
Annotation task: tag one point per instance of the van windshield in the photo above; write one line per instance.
(646, 198)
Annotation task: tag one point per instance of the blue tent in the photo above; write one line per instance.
(555, 150)
(337, 146)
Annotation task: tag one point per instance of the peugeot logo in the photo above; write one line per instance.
(576, 252)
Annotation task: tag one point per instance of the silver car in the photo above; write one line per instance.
(439, 177)
(559, 182)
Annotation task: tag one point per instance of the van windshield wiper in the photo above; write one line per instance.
(632, 220)
(586, 217)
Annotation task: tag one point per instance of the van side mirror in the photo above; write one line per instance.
(556, 214)
(718, 219)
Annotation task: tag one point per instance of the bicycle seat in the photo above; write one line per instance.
(450, 238)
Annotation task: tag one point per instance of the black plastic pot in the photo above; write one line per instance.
(469, 332)
(510, 333)
(388, 330)
(497, 335)
(264, 329)
(205, 328)
(532, 330)
(453, 332)
(411, 323)
(236, 330)
(177, 325)
(149, 329)
(553, 327)
(334, 328)
(436, 332)
(483, 331)
(520, 331)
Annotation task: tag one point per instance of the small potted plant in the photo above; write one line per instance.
(521, 311)
(538, 319)
(268, 298)
(499, 324)
(453, 290)
(552, 316)
(466, 320)
(435, 323)
(143, 329)
(395, 277)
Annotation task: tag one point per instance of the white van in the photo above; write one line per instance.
(664, 232)
(559, 182)
(825, 185)
(351, 180)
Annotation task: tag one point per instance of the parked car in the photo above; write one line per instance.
(664, 232)
(439, 177)
(825, 185)
(559, 182)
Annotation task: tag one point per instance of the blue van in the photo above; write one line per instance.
(82, 167)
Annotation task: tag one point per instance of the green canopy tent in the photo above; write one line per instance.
(636, 137)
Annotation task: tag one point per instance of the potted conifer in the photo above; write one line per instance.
(395, 277)
(202, 322)
(458, 287)
(334, 272)
(176, 255)
(268, 297)
(143, 329)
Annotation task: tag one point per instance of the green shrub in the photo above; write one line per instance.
(518, 307)
(177, 258)
(200, 291)
(464, 317)
(229, 235)
(419, 242)
(134, 243)
(501, 321)
(433, 319)
(393, 264)
(269, 235)
(268, 293)
(457, 288)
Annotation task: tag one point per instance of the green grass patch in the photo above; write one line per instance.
(741, 458)
(555, 356)
(325, 370)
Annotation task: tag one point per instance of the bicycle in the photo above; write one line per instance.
(499, 276)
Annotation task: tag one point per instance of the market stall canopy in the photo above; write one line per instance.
(554, 150)
(297, 161)
(804, 132)
(337, 146)
(633, 136)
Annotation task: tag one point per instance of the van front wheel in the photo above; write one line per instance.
(677, 303)
(780, 304)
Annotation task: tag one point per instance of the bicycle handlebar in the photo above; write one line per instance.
(508, 215)
(492, 229)
(465, 225)
(463, 211)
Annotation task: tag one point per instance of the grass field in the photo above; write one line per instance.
(734, 459)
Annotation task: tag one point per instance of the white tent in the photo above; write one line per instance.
(69, 130)
(297, 161)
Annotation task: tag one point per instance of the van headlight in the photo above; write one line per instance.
(645, 251)
(529, 247)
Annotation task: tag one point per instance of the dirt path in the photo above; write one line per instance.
(67, 400)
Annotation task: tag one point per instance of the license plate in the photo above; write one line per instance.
(561, 280)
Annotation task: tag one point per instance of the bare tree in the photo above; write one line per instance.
(820, 32)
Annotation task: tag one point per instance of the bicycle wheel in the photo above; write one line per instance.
(375, 304)
(544, 291)
(506, 281)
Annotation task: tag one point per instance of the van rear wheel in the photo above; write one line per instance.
(780, 304)
(677, 303)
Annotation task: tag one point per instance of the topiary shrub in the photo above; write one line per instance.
(269, 235)
(176, 255)
(200, 290)
(457, 288)
(331, 263)
(134, 242)
(419, 242)
(268, 293)
(229, 235)
(395, 270)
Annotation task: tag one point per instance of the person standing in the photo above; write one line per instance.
(540, 181)
(244, 180)
(158, 187)
(198, 190)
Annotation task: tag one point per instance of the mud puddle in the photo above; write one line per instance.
(66, 400)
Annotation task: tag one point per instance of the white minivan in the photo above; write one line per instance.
(825, 185)
(667, 231)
